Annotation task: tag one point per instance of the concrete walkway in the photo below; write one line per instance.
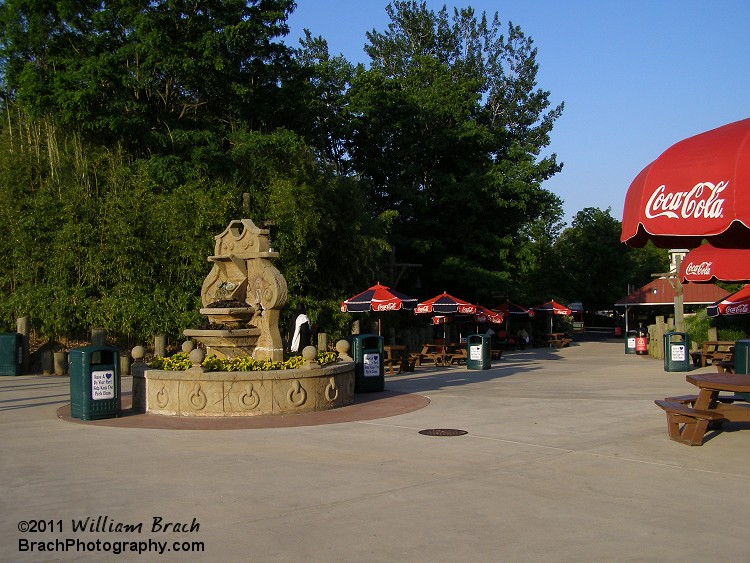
(566, 458)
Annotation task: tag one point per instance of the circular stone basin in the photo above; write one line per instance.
(229, 316)
(243, 393)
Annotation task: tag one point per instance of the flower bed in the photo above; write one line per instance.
(181, 362)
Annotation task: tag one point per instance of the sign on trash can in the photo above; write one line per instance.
(676, 351)
(94, 382)
(479, 353)
(630, 338)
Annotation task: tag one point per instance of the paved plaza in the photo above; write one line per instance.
(565, 458)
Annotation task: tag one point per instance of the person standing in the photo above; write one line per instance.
(302, 331)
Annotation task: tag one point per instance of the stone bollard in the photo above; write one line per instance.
(188, 346)
(48, 362)
(322, 342)
(138, 370)
(23, 327)
(61, 363)
(125, 365)
(160, 345)
(99, 336)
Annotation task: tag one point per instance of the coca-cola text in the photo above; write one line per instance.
(702, 201)
(702, 269)
(739, 309)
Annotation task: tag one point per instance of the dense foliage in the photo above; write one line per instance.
(130, 133)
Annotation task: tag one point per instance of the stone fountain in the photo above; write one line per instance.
(242, 296)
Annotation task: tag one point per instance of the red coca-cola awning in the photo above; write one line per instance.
(707, 264)
(697, 189)
(736, 304)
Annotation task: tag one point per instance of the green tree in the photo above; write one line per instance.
(155, 75)
(590, 263)
(446, 127)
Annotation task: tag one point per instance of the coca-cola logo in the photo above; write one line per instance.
(386, 306)
(702, 201)
(422, 309)
(702, 269)
(739, 309)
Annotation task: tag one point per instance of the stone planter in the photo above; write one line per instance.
(245, 393)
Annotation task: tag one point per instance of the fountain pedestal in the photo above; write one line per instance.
(244, 277)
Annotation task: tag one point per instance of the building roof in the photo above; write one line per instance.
(661, 292)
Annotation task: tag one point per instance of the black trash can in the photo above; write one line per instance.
(369, 371)
(630, 337)
(478, 351)
(94, 382)
(11, 353)
(742, 357)
(676, 351)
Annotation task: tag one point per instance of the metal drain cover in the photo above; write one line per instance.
(443, 432)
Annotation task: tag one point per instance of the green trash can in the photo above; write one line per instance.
(742, 357)
(94, 382)
(11, 353)
(630, 337)
(369, 370)
(478, 351)
(676, 351)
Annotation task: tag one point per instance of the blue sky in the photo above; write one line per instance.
(636, 76)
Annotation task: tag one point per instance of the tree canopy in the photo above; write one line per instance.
(130, 133)
(447, 127)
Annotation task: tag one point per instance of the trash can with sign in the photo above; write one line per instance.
(676, 351)
(11, 353)
(94, 382)
(478, 352)
(742, 357)
(630, 337)
(369, 370)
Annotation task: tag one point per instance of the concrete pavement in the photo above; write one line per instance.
(566, 458)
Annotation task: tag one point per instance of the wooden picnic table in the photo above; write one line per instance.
(691, 416)
(713, 351)
(397, 359)
(556, 339)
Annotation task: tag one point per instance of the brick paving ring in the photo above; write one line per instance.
(366, 406)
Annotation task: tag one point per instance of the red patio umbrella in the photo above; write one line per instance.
(509, 308)
(708, 264)
(697, 189)
(446, 304)
(378, 298)
(484, 315)
(553, 308)
(737, 303)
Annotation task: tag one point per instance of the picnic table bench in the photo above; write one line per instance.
(689, 417)
(712, 351)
